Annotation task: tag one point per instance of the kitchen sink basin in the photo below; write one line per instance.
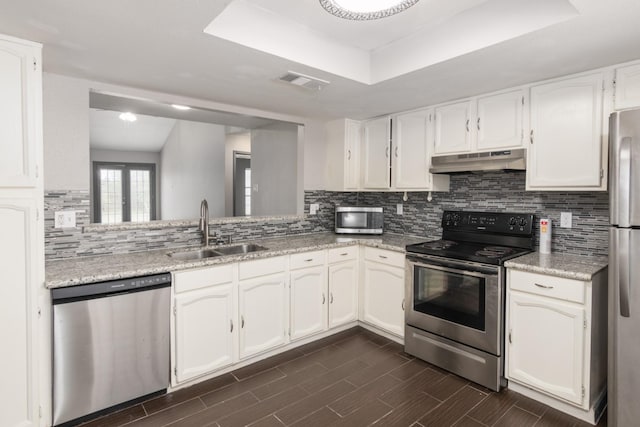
(201, 254)
(240, 249)
(211, 253)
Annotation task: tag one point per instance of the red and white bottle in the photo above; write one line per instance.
(545, 236)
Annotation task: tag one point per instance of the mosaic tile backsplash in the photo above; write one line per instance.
(487, 191)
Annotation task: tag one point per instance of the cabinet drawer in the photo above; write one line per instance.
(342, 254)
(306, 259)
(550, 286)
(395, 259)
(262, 267)
(202, 277)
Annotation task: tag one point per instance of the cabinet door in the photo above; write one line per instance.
(565, 150)
(343, 293)
(453, 128)
(352, 155)
(308, 300)
(205, 331)
(263, 314)
(627, 93)
(376, 155)
(499, 121)
(411, 155)
(546, 345)
(383, 297)
(20, 113)
(21, 274)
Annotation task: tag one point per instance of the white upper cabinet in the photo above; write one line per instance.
(627, 91)
(343, 154)
(412, 144)
(376, 153)
(499, 122)
(20, 112)
(566, 138)
(453, 128)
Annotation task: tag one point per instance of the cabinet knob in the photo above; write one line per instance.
(231, 321)
(478, 123)
(531, 136)
(402, 305)
(467, 125)
(330, 297)
(396, 152)
(242, 322)
(348, 154)
(386, 152)
(323, 298)
(543, 286)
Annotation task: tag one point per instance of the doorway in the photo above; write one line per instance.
(241, 183)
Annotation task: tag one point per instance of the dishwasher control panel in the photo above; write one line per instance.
(131, 284)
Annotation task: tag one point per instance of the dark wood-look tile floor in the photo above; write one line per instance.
(354, 378)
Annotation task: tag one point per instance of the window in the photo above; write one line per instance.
(124, 192)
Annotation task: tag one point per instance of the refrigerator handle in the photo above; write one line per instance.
(624, 183)
(624, 273)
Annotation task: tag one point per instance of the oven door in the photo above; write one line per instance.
(456, 300)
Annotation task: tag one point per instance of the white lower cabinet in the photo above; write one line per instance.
(556, 333)
(263, 307)
(343, 292)
(382, 292)
(205, 331)
(308, 296)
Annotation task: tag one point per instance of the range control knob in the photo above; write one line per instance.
(523, 222)
(512, 221)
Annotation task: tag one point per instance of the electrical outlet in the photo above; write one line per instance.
(565, 219)
(399, 208)
(65, 219)
(314, 208)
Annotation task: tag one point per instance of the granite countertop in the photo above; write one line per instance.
(560, 265)
(76, 271)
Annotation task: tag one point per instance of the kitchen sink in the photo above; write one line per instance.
(201, 254)
(211, 253)
(240, 249)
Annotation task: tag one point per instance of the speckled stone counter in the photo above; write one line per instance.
(76, 271)
(560, 265)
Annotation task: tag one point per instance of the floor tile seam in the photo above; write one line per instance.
(442, 402)
(239, 383)
(485, 424)
(532, 413)
(383, 415)
(189, 415)
(516, 406)
(486, 396)
(370, 380)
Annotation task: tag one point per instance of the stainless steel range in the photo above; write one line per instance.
(456, 291)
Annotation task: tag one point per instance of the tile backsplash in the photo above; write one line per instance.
(490, 191)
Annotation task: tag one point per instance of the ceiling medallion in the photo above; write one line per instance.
(363, 10)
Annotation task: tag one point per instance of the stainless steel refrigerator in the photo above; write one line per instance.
(624, 270)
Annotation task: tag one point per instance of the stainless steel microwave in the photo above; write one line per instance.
(359, 220)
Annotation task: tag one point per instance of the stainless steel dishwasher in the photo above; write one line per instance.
(110, 345)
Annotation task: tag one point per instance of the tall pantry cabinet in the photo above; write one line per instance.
(22, 292)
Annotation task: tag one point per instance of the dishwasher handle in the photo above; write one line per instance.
(112, 287)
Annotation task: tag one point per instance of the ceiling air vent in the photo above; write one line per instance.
(302, 80)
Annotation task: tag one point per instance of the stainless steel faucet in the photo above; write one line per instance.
(204, 222)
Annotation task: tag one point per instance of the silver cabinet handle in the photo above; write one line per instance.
(396, 152)
(467, 125)
(386, 152)
(478, 123)
(330, 297)
(308, 260)
(382, 256)
(510, 340)
(344, 254)
(231, 321)
(323, 298)
(543, 286)
(531, 136)
(348, 154)
(402, 305)
(242, 322)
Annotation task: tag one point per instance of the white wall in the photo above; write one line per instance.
(234, 142)
(129, 157)
(66, 133)
(193, 169)
(274, 170)
(314, 155)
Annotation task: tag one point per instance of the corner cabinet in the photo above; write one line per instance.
(343, 285)
(382, 292)
(556, 339)
(566, 149)
(25, 335)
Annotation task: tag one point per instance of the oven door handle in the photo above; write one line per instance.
(453, 270)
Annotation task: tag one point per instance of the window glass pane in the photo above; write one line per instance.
(111, 196)
(247, 191)
(140, 203)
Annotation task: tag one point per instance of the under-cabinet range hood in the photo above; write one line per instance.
(490, 161)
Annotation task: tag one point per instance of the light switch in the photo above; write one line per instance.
(65, 219)
(399, 209)
(313, 208)
(565, 219)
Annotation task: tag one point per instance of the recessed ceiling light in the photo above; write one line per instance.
(364, 10)
(128, 117)
(181, 107)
